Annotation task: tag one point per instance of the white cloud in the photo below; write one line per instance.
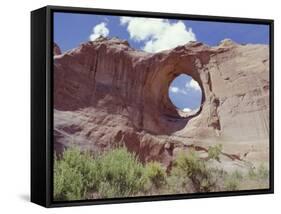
(192, 84)
(177, 90)
(99, 30)
(186, 110)
(157, 34)
(174, 89)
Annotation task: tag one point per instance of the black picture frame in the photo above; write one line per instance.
(42, 105)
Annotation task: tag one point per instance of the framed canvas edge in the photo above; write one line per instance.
(49, 109)
(38, 152)
(49, 113)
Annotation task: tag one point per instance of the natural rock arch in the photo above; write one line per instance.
(115, 93)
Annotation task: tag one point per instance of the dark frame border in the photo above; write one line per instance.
(50, 10)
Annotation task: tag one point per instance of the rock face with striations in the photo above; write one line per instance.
(107, 93)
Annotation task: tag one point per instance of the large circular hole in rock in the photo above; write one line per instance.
(186, 95)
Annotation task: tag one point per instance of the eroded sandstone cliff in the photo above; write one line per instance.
(107, 93)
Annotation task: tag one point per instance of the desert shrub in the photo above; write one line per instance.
(252, 173)
(120, 174)
(114, 174)
(64, 188)
(233, 180)
(237, 175)
(214, 152)
(178, 183)
(231, 184)
(68, 183)
(84, 163)
(74, 173)
(155, 175)
(263, 172)
(190, 166)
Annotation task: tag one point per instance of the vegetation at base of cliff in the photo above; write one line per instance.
(80, 175)
(119, 174)
(195, 173)
(154, 175)
(114, 174)
(74, 174)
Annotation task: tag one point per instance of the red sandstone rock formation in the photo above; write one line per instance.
(57, 50)
(107, 93)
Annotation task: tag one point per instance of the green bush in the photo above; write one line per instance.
(68, 183)
(237, 175)
(84, 163)
(120, 174)
(233, 180)
(263, 172)
(114, 174)
(252, 173)
(231, 184)
(155, 174)
(74, 173)
(192, 167)
(214, 152)
(178, 183)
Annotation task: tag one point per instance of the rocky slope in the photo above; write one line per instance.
(107, 94)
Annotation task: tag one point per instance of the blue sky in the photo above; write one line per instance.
(185, 93)
(154, 35)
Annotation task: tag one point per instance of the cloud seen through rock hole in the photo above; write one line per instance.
(185, 93)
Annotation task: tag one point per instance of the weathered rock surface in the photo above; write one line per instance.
(107, 93)
(57, 50)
